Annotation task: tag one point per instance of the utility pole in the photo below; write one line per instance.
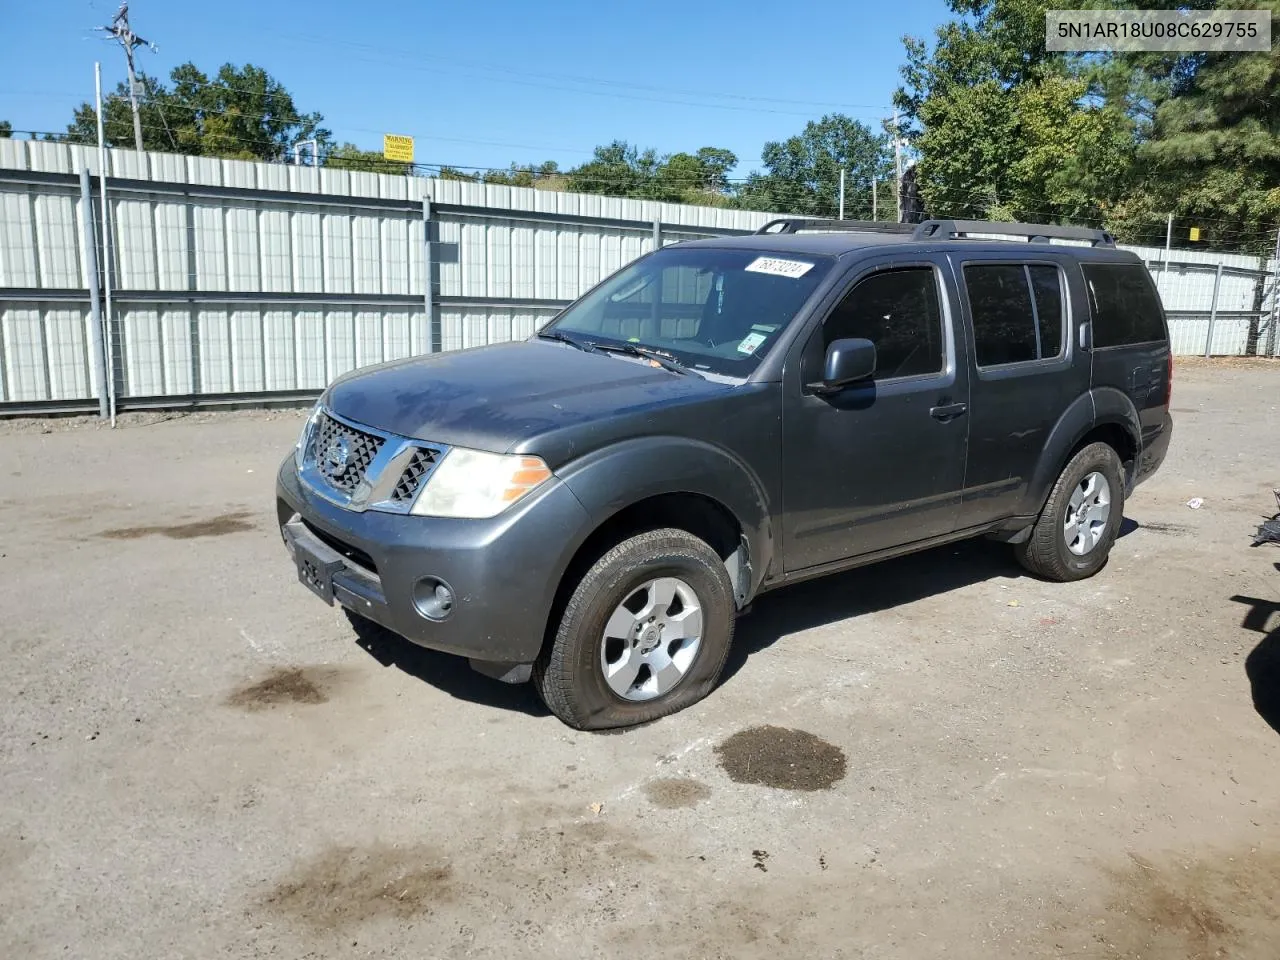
(841, 193)
(897, 162)
(1168, 243)
(875, 207)
(124, 34)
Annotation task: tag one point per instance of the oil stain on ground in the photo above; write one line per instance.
(782, 758)
(283, 687)
(219, 526)
(673, 792)
(345, 886)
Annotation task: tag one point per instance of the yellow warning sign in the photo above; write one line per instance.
(1195, 233)
(398, 148)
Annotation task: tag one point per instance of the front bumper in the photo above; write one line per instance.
(503, 572)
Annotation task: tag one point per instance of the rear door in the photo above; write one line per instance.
(1026, 371)
(881, 463)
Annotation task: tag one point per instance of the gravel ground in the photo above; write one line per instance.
(199, 759)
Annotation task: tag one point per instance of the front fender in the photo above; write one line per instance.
(1103, 405)
(613, 478)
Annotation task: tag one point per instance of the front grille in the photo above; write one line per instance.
(424, 460)
(342, 454)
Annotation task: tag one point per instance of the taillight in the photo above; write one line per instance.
(1168, 381)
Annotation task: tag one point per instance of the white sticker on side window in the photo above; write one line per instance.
(778, 267)
(751, 342)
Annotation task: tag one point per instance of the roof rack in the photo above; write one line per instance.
(822, 225)
(1043, 232)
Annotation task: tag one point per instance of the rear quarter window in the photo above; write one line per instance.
(1124, 304)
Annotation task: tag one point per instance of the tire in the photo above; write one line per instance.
(642, 572)
(1048, 552)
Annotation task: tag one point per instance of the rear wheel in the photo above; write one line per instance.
(1073, 536)
(644, 634)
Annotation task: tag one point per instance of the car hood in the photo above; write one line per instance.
(491, 398)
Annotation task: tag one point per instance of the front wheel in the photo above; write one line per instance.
(645, 633)
(1081, 519)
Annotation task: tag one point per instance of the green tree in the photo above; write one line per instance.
(241, 113)
(802, 173)
(348, 156)
(6, 129)
(117, 124)
(1213, 157)
(528, 175)
(620, 169)
(1007, 130)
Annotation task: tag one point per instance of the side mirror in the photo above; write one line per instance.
(848, 361)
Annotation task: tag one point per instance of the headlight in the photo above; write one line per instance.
(474, 485)
(304, 437)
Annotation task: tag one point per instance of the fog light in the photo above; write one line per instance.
(433, 598)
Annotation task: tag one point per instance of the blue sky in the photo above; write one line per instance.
(482, 84)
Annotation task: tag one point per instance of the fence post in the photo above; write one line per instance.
(1213, 310)
(1275, 301)
(657, 234)
(434, 338)
(95, 307)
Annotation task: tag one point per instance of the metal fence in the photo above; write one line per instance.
(226, 280)
(231, 280)
(1218, 304)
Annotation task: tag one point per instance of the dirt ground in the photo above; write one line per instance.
(199, 759)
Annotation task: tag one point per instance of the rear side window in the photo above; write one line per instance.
(1124, 304)
(898, 311)
(1016, 310)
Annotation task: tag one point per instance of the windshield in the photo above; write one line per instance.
(711, 310)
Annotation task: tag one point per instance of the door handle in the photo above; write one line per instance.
(948, 411)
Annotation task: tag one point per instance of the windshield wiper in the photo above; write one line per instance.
(584, 345)
(664, 360)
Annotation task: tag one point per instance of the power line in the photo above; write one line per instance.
(417, 56)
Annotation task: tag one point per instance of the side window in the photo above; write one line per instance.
(898, 311)
(1047, 285)
(1004, 328)
(1016, 310)
(1124, 303)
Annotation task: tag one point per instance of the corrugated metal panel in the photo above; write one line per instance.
(307, 262)
(277, 250)
(214, 326)
(175, 337)
(279, 350)
(58, 240)
(17, 240)
(67, 357)
(211, 247)
(340, 342)
(22, 337)
(143, 352)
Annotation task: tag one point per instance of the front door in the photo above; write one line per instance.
(882, 463)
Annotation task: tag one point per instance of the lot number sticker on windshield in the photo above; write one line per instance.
(779, 268)
(751, 341)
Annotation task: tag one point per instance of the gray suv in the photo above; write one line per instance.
(592, 507)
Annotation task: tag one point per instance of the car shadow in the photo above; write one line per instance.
(1262, 665)
(446, 672)
(864, 590)
(775, 615)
